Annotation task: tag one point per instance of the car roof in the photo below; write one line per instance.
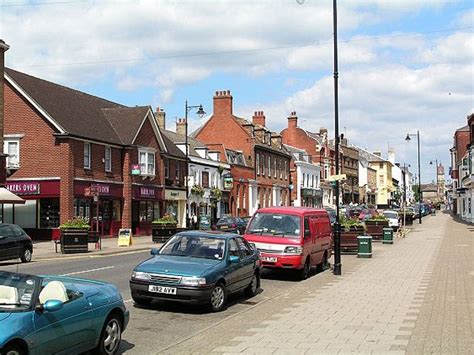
(208, 234)
(292, 210)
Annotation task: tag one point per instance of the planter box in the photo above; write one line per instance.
(375, 228)
(74, 240)
(160, 233)
(349, 238)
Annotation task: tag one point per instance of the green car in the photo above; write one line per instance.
(198, 267)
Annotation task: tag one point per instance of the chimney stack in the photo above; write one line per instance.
(3, 173)
(292, 120)
(222, 104)
(160, 116)
(181, 126)
(391, 155)
(258, 118)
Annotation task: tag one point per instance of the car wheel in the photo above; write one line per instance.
(13, 349)
(304, 272)
(324, 263)
(110, 337)
(218, 298)
(26, 255)
(141, 301)
(254, 285)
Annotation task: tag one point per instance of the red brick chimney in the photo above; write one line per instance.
(3, 173)
(292, 120)
(160, 117)
(222, 103)
(259, 118)
(181, 126)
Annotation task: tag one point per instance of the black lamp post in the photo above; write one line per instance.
(419, 174)
(337, 225)
(437, 182)
(200, 112)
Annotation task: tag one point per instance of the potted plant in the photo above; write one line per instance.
(375, 226)
(216, 194)
(163, 228)
(74, 235)
(197, 190)
(350, 230)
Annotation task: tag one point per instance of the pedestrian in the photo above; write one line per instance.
(194, 220)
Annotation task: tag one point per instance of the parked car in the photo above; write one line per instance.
(15, 243)
(296, 238)
(198, 267)
(231, 224)
(393, 218)
(53, 314)
(367, 214)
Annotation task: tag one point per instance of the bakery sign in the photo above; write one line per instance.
(24, 188)
(147, 192)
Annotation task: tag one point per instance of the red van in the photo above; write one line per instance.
(291, 238)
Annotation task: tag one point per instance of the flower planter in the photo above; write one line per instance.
(349, 242)
(375, 228)
(161, 232)
(74, 240)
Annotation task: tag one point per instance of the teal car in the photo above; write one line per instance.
(198, 267)
(59, 315)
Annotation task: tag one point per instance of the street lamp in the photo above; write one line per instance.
(419, 174)
(337, 225)
(437, 182)
(200, 112)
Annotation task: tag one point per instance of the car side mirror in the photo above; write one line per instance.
(51, 306)
(154, 251)
(2, 237)
(234, 259)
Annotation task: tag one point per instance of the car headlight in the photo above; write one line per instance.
(139, 275)
(193, 281)
(293, 250)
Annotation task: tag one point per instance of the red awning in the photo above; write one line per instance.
(7, 196)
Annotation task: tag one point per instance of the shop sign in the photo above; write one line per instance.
(136, 169)
(97, 190)
(175, 195)
(24, 188)
(147, 192)
(228, 182)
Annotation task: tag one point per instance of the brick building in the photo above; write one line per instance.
(256, 148)
(65, 146)
(350, 167)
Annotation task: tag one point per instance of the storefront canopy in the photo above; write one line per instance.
(9, 197)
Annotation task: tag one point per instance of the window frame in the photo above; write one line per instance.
(87, 151)
(269, 162)
(147, 153)
(257, 163)
(108, 168)
(6, 144)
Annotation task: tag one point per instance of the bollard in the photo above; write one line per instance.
(387, 236)
(364, 243)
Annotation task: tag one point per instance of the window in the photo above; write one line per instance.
(177, 170)
(257, 163)
(275, 167)
(108, 159)
(233, 248)
(280, 169)
(147, 162)
(12, 148)
(269, 160)
(167, 168)
(87, 155)
(286, 169)
(263, 165)
(303, 179)
(244, 247)
(205, 179)
(381, 179)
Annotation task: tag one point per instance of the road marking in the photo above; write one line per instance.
(90, 256)
(86, 271)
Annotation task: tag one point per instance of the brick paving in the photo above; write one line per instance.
(415, 296)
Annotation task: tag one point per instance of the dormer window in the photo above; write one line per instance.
(147, 162)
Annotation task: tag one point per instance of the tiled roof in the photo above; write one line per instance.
(177, 138)
(126, 121)
(370, 157)
(172, 149)
(463, 129)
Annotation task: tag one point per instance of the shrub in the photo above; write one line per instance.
(166, 219)
(76, 223)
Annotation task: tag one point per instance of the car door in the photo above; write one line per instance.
(8, 243)
(248, 261)
(313, 240)
(68, 330)
(233, 270)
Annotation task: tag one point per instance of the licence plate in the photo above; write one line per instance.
(224, 227)
(161, 289)
(269, 259)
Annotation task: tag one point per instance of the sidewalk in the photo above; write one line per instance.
(416, 296)
(46, 250)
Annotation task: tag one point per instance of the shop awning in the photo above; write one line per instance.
(6, 196)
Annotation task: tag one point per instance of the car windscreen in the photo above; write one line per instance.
(392, 215)
(16, 291)
(277, 224)
(194, 246)
(226, 220)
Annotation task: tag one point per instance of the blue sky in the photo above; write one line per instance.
(403, 65)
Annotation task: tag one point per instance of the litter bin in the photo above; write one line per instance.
(387, 236)
(364, 246)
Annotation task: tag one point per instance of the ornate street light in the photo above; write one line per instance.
(408, 139)
(200, 112)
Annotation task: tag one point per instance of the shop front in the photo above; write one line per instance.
(175, 205)
(147, 204)
(39, 216)
(101, 204)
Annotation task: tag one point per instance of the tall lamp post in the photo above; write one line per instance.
(437, 182)
(419, 174)
(200, 112)
(337, 225)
